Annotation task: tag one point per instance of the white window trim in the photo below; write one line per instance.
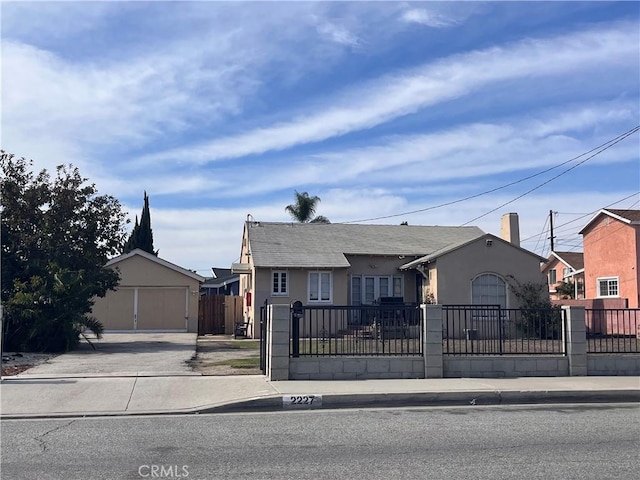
(376, 293)
(280, 272)
(320, 273)
(607, 279)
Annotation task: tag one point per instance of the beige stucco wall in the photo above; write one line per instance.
(138, 271)
(298, 286)
(259, 283)
(457, 269)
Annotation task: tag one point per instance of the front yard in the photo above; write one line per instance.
(222, 355)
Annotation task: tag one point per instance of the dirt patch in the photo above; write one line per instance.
(14, 363)
(225, 356)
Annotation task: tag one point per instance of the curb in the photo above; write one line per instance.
(274, 403)
(436, 399)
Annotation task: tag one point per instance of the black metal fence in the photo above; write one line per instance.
(492, 330)
(613, 330)
(356, 330)
(382, 330)
(263, 337)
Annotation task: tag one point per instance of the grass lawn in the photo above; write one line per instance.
(243, 344)
(249, 362)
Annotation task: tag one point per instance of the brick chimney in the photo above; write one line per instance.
(510, 228)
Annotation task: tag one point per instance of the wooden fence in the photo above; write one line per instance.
(218, 314)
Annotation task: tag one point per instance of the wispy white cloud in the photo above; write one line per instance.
(199, 90)
(387, 98)
(423, 16)
(338, 33)
(515, 144)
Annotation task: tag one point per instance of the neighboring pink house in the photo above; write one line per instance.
(611, 243)
(564, 267)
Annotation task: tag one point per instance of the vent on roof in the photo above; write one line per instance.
(489, 242)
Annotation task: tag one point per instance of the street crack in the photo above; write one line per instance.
(131, 394)
(41, 440)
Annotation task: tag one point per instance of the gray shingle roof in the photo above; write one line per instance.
(325, 245)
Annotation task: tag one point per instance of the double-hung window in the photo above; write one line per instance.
(279, 283)
(552, 277)
(608, 287)
(320, 287)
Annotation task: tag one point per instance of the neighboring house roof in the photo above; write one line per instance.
(221, 277)
(221, 273)
(575, 260)
(327, 245)
(455, 246)
(631, 217)
(155, 259)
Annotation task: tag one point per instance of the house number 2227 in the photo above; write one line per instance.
(301, 401)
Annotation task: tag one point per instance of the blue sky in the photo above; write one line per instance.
(219, 110)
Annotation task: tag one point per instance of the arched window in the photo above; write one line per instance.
(489, 289)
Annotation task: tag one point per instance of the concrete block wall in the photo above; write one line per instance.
(355, 368)
(613, 364)
(488, 366)
(278, 342)
(434, 364)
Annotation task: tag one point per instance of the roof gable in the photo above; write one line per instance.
(155, 259)
(453, 247)
(310, 245)
(630, 217)
(574, 260)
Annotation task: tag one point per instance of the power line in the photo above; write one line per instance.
(589, 214)
(607, 234)
(608, 144)
(546, 220)
(611, 144)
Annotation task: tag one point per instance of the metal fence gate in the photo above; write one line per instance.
(263, 338)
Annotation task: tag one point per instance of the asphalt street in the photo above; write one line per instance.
(597, 441)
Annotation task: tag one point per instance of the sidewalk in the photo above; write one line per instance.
(29, 396)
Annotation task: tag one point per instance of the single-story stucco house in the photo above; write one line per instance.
(153, 295)
(352, 264)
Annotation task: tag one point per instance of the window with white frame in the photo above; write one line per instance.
(279, 283)
(320, 287)
(608, 287)
(367, 289)
(552, 277)
(565, 272)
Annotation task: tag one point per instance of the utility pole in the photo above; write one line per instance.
(551, 224)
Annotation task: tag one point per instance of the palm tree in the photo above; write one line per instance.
(304, 209)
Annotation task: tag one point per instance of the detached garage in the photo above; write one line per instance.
(153, 295)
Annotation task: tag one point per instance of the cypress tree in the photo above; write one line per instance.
(141, 235)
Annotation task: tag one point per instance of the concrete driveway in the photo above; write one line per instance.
(142, 354)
